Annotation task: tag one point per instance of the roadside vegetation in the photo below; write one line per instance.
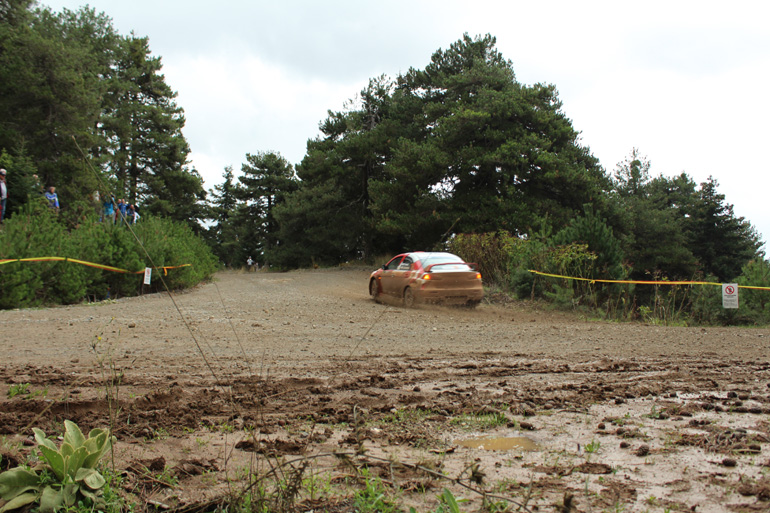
(574, 267)
(38, 232)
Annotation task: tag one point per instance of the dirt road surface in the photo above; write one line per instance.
(236, 377)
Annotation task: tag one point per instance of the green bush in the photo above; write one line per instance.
(587, 249)
(38, 232)
(593, 232)
(755, 303)
(173, 244)
(32, 233)
(505, 260)
(493, 252)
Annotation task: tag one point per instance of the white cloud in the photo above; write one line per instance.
(236, 104)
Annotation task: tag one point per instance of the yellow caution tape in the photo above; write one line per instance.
(640, 282)
(89, 264)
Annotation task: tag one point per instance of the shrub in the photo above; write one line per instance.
(37, 232)
(25, 235)
(596, 236)
(755, 303)
(492, 251)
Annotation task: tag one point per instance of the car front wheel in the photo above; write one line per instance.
(374, 290)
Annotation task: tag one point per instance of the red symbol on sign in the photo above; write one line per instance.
(730, 289)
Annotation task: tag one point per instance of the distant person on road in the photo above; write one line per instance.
(3, 194)
(249, 264)
(53, 199)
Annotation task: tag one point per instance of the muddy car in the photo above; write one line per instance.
(427, 277)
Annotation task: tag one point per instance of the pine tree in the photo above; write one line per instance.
(722, 242)
(143, 125)
(267, 178)
(223, 234)
(480, 152)
(335, 179)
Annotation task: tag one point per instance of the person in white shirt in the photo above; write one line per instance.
(3, 194)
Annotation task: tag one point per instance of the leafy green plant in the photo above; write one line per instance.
(24, 389)
(593, 446)
(654, 413)
(18, 389)
(480, 421)
(492, 251)
(449, 504)
(373, 497)
(167, 477)
(65, 476)
(756, 302)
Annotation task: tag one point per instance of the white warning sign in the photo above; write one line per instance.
(147, 275)
(729, 295)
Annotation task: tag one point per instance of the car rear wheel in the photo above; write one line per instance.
(408, 298)
(374, 290)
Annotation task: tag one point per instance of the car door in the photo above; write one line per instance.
(387, 278)
(401, 277)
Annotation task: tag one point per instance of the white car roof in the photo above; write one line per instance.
(424, 255)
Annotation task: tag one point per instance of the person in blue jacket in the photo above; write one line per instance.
(53, 199)
(108, 213)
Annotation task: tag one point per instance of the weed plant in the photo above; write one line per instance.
(18, 389)
(480, 421)
(374, 497)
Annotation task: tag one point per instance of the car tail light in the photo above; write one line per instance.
(426, 276)
(478, 276)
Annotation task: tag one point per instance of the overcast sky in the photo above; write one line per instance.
(685, 82)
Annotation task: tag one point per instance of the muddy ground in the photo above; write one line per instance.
(265, 374)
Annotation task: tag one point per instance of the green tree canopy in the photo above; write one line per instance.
(223, 234)
(334, 197)
(484, 152)
(722, 242)
(267, 178)
(670, 227)
(459, 146)
(76, 97)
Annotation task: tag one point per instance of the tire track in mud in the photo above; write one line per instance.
(380, 385)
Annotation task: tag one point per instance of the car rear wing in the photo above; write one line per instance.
(472, 266)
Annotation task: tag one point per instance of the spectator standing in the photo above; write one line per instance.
(132, 216)
(37, 186)
(122, 210)
(53, 199)
(108, 212)
(3, 194)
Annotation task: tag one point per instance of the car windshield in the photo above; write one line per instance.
(446, 261)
